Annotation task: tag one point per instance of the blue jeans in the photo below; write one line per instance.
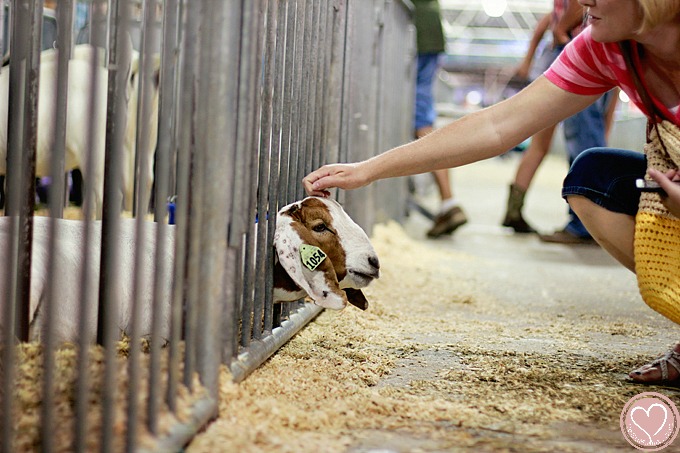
(606, 176)
(425, 113)
(583, 131)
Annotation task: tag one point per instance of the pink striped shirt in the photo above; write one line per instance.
(589, 67)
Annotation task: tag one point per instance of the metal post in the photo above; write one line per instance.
(107, 328)
(56, 202)
(276, 154)
(268, 157)
(87, 290)
(185, 117)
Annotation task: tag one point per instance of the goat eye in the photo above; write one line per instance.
(320, 228)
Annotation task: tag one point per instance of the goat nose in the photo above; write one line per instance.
(373, 261)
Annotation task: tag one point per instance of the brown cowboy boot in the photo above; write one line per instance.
(513, 215)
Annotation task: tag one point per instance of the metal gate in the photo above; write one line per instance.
(192, 123)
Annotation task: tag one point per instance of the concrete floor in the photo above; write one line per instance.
(580, 284)
(567, 279)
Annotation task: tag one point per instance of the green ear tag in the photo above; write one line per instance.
(311, 256)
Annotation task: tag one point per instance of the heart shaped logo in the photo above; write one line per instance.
(654, 416)
(649, 421)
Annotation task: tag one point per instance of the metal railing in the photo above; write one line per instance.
(247, 97)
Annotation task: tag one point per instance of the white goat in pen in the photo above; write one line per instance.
(321, 252)
(78, 120)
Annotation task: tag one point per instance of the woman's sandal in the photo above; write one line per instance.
(671, 358)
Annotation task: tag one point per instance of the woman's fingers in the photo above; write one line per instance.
(317, 182)
(342, 176)
(667, 181)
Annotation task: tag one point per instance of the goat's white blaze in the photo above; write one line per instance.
(358, 248)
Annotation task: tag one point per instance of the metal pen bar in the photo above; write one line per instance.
(230, 303)
(245, 288)
(201, 217)
(321, 79)
(312, 82)
(345, 122)
(65, 11)
(261, 350)
(276, 152)
(15, 127)
(97, 78)
(264, 177)
(288, 104)
(303, 125)
(238, 229)
(322, 87)
(29, 164)
(214, 228)
(107, 332)
(335, 112)
(22, 145)
(145, 109)
(232, 318)
(243, 199)
(240, 217)
(7, 352)
(329, 89)
(3, 44)
(165, 154)
(200, 164)
(98, 24)
(56, 203)
(298, 66)
(141, 195)
(186, 120)
(167, 109)
(197, 162)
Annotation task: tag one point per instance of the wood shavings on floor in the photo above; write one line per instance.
(434, 364)
(29, 388)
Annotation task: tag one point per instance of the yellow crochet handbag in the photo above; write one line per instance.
(657, 231)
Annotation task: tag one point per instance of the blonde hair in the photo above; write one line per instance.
(656, 12)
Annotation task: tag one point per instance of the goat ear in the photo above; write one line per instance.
(356, 297)
(317, 277)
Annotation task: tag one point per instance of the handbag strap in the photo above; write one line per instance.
(655, 116)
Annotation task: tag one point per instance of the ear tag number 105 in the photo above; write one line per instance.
(311, 256)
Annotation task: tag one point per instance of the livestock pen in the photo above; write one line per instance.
(220, 108)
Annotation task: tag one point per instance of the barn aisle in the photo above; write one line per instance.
(483, 341)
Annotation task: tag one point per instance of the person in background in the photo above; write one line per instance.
(600, 185)
(431, 45)
(586, 129)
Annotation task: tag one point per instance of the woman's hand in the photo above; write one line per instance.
(343, 176)
(669, 183)
(480, 135)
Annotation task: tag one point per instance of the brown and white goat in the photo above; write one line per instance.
(332, 278)
(312, 224)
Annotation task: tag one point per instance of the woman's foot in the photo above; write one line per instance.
(664, 370)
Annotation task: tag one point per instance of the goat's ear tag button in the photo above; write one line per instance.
(311, 256)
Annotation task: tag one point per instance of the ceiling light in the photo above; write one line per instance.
(494, 8)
